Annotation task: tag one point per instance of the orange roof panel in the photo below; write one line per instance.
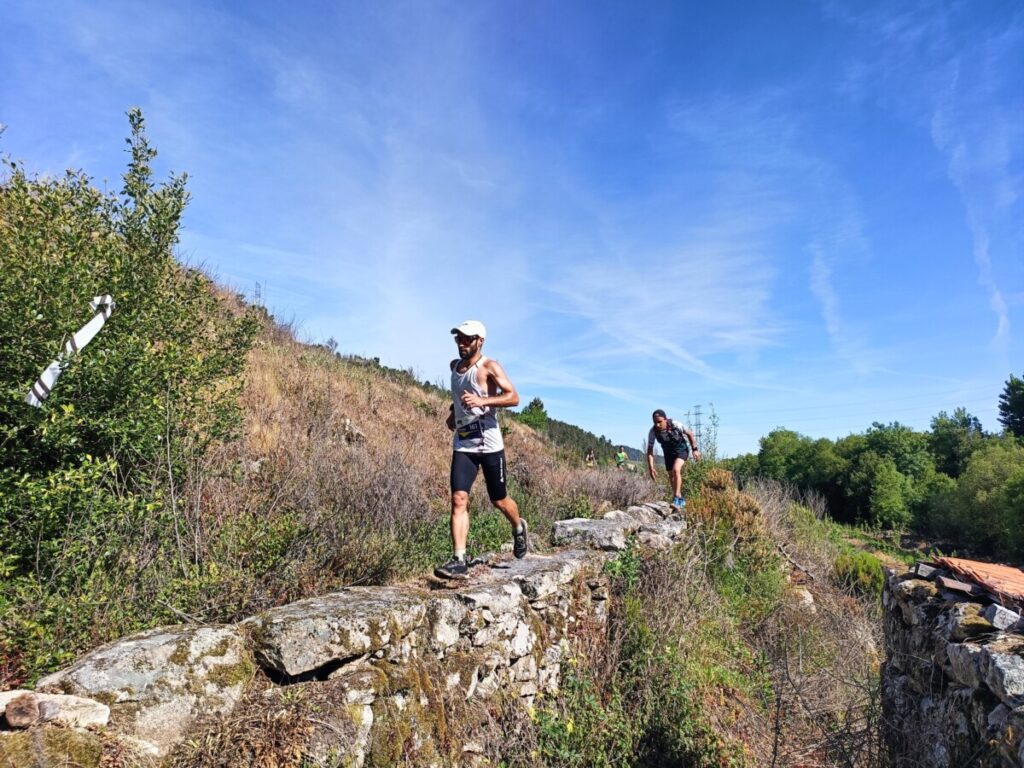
(1003, 580)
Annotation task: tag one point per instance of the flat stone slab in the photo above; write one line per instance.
(646, 513)
(673, 529)
(72, 711)
(606, 535)
(309, 634)
(157, 682)
(543, 576)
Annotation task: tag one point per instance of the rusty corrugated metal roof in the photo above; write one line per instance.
(1002, 580)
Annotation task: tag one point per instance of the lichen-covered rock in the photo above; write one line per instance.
(652, 540)
(310, 634)
(496, 598)
(662, 508)
(607, 535)
(444, 617)
(644, 514)
(952, 680)
(671, 529)
(999, 617)
(1002, 667)
(618, 514)
(542, 578)
(917, 600)
(391, 657)
(158, 682)
(965, 663)
(964, 621)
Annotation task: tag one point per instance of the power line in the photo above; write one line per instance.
(839, 415)
(875, 402)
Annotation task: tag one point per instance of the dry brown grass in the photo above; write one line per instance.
(771, 681)
(341, 477)
(825, 662)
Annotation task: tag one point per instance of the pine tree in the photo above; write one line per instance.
(1011, 406)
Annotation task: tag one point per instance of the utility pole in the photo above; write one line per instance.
(696, 424)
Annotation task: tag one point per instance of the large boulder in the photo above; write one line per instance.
(157, 683)
(319, 632)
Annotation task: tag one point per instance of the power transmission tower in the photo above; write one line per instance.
(696, 424)
(258, 296)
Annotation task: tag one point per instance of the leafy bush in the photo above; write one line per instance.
(89, 482)
(987, 507)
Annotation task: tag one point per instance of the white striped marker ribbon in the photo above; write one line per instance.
(103, 306)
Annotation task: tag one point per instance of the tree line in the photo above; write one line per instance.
(572, 440)
(954, 480)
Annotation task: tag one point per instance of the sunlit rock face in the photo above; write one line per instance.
(375, 672)
(157, 683)
(953, 679)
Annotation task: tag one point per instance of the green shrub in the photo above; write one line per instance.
(90, 481)
(860, 571)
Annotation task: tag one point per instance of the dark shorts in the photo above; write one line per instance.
(465, 466)
(671, 456)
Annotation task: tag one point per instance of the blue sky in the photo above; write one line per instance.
(808, 214)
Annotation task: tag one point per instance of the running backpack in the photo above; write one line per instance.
(673, 438)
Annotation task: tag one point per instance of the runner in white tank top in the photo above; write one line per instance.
(476, 429)
(479, 387)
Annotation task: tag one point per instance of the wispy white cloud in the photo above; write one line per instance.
(770, 165)
(962, 83)
(981, 142)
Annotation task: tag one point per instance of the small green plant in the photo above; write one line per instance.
(625, 568)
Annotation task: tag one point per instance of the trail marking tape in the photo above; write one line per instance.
(103, 306)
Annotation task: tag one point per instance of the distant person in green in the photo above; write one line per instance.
(678, 444)
(479, 387)
(621, 458)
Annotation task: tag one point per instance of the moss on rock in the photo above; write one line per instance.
(50, 746)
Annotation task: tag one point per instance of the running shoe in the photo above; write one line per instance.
(679, 503)
(455, 568)
(519, 542)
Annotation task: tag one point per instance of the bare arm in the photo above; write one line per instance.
(650, 460)
(497, 381)
(694, 450)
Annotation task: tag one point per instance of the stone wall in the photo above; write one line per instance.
(953, 679)
(389, 672)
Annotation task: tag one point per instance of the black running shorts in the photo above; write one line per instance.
(465, 466)
(671, 456)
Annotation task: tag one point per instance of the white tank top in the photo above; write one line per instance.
(476, 429)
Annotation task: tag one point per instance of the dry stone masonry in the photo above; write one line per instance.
(389, 666)
(953, 680)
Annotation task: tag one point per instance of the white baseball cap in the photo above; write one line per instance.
(471, 328)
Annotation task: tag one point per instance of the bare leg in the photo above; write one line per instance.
(460, 520)
(509, 509)
(677, 478)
